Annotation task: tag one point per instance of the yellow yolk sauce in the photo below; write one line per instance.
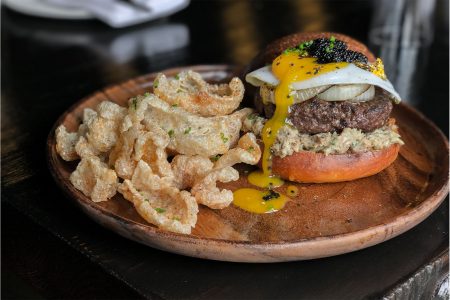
(254, 201)
(292, 190)
(288, 68)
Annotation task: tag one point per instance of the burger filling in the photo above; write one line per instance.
(350, 140)
(318, 116)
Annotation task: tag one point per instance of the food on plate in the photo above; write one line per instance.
(189, 91)
(324, 103)
(166, 152)
(323, 106)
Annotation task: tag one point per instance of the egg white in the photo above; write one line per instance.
(350, 74)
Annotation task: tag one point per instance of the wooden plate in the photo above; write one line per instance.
(324, 220)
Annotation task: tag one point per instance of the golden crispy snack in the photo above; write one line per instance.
(189, 91)
(95, 179)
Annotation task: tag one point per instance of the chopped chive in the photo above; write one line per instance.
(223, 137)
(146, 94)
(171, 133)
(177, 77)
(215, 157)
(270, 207)
(175, 105)
(160, 210)
(251, 149)
(187, 130)
(134, 103)
(252, 117)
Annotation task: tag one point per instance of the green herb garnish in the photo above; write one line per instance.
(171, 133)
(223, 137)
(175, 105)
(187, 130)
(215, 157)
(251, 149)
(146, 94)
(155, 84)
(177, 77)
(330, 47)
(134, 103)
(301, 49)
(270, 207)
(252, 117)
(160, 210)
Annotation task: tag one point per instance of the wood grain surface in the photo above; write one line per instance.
(323, 220)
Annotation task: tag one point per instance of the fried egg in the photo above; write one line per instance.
(308, 74)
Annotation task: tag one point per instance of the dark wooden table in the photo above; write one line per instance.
(52, 250)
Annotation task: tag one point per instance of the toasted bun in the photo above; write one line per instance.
(314, 167)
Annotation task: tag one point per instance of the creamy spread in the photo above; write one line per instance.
(350, 140)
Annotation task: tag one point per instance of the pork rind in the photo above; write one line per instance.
(205, 188)
(102, 130)
(134, 144)
(207, 193)
(95, 179)
(247, 151)
(65, 143)
(159, 202)
(189, 91)
(187, 169)
(151, 147)
(191, 134)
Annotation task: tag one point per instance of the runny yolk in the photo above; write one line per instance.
(253, 201)
(288, 68)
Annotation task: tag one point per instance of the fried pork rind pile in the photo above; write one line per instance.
(128, 150)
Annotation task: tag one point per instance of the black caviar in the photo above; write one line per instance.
(328, 51)
(272, 195)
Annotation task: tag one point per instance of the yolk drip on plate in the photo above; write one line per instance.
(288, 68)
(259, 202)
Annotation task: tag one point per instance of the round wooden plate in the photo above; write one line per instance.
(323, 220)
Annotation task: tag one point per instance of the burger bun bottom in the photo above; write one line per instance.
(311, 167)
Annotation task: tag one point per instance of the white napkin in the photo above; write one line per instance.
(118, 14)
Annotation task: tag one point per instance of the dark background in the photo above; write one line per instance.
(51, 250)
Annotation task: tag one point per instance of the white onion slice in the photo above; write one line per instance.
(343, 92)
(366, 96)
(268, 93)
(303, 95)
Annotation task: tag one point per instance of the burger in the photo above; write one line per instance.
(323, 107)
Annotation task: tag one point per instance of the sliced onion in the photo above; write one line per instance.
(366, 96)
(343, 92)
(303, 95)
(268, 93)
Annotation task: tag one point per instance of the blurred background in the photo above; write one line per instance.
(76, 49)
(54, 52)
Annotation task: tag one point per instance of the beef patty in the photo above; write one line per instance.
(317, 116)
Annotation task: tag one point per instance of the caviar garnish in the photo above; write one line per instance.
(328, 51)
(271, 195)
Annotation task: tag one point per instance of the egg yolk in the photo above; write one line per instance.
(288, 68)
(255, 201)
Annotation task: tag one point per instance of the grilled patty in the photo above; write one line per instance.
(317, 116)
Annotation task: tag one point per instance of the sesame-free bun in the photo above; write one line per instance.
(311, 167)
